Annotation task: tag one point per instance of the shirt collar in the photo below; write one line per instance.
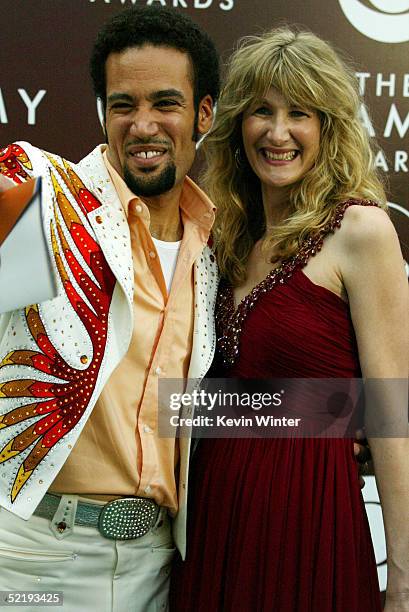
(194, 203)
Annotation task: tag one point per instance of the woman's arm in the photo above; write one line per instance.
(372, 271)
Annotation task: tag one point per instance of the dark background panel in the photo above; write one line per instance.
(46, 45)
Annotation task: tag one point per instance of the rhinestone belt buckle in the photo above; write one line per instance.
(127, 518)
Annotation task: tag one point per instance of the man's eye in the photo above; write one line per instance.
(166, 103)
(120, 106)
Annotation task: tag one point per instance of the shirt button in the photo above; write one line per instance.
(158, 370)
(152, 254)
(148, 489)
(138, 209)
(147, 429)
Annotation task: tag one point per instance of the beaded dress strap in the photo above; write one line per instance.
(230, 321)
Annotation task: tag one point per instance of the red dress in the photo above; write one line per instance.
(279, 524)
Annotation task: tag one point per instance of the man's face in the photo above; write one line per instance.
(150, 118)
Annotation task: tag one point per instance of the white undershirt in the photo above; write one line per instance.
(168, 254)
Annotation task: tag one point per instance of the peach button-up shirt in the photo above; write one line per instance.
(119, 452)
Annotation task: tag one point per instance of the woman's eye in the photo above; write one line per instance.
(298, 113)
(262, 110)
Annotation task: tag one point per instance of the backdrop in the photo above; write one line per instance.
(46, 96)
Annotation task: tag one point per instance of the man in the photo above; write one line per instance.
(79, 374)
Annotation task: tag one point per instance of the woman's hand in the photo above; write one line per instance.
(397, 602)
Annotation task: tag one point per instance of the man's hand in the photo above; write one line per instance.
(362, 454)
(6, 183)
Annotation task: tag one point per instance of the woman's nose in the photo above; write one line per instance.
(278, 130)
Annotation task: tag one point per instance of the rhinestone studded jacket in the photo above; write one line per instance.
(56, 356)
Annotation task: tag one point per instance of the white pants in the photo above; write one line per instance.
(94, 573)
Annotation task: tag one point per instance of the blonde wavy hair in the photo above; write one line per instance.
(308, 73)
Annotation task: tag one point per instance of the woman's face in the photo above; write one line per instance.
(281, 141)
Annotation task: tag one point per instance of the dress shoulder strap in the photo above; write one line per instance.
(314, 244)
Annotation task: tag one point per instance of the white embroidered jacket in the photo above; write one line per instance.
(56, 356)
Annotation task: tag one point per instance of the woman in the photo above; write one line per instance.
(313, 286)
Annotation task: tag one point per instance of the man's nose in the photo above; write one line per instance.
(144, 124)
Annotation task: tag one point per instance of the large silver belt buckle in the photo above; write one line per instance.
(127, 518)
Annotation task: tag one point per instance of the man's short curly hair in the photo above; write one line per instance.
(138, 26)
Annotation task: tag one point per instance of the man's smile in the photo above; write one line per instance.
(147, 155)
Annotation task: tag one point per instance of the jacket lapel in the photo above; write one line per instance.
(109, 221)
(204, 342)
(204, 333)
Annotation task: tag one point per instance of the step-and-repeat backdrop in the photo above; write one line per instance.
(46, 96)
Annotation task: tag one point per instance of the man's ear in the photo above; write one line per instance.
(205, 115)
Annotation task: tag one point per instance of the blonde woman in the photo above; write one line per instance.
(313, 287)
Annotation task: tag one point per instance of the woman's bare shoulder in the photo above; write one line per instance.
(366, 227)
